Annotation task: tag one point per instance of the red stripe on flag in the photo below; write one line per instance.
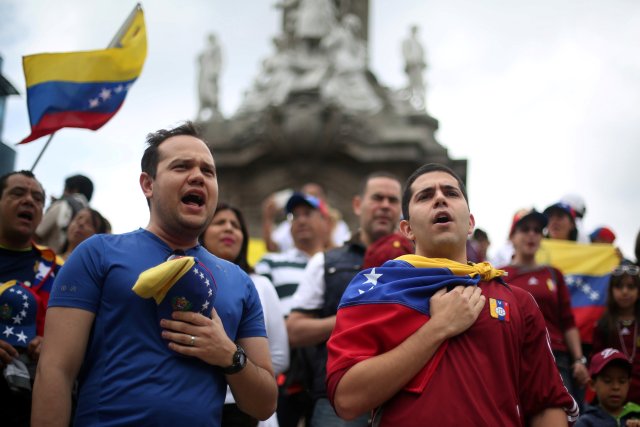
(51, 123)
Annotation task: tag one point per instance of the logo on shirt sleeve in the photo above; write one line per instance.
(499, 309)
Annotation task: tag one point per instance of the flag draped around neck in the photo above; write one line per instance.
(84, 89)
(389, 303)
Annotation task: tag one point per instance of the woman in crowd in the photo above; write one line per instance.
(562, 222)
(227, 238)
(618, 326)
(85, 224)
(548, 287)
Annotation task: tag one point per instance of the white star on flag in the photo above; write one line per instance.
(17, 320)
(25, 304)
(372, 277)
(24, 297)
(118, 88)
(19, 292)
(94, 102)
(22, 337)
(195, 270)
(201, 276)
(205, 306)
(206, 282)
(105, 94)
(12, 290)
(8, 331)
(210, 292)
(23, 313)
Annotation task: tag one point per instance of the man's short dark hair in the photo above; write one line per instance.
(480, 235)
(424, 169)
(377, 174)
(79, 184)
(28, 174)
(150, 158)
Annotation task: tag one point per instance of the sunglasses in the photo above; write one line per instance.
(527, 228)
(631, 270)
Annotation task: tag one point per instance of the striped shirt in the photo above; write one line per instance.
(284, 269)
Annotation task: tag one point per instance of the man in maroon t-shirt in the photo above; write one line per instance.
(463, 362)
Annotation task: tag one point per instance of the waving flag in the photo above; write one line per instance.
(84, 89)
(586, 268)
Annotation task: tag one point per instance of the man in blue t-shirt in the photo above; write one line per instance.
(133, 366)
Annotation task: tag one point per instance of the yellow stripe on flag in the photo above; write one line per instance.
(596, 259)
(105, 65)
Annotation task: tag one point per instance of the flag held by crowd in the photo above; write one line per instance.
(84, 89)
(587, 268)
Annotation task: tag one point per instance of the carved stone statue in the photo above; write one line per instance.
(415, 64)
(347, 85)
(210, 61)
(273, 83)
(310, 20)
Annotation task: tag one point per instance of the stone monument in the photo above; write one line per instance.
(316, 113)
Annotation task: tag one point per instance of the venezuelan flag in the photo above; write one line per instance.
(586, 268)
(405, 285)
(84, 89)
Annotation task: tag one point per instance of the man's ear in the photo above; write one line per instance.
(591, 384)
(472, 224)
(146, 183)
(405, 228)
(356, 202)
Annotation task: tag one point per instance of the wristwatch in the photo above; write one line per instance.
(582, 360)
(239, 362)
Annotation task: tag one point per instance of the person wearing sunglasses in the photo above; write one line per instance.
(548, 287)
(618, 326)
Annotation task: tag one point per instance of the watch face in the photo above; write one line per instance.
(239, 361)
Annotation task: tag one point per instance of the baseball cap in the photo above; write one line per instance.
(560, 206)
(297, 199)
(602, 235)
(600, 360)
(525, 214)
(180, 284)
(18, 311)
(576, 202)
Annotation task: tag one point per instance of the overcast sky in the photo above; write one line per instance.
(542, 98)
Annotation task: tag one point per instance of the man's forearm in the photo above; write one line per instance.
(550, 417)
(305, 331)
(51, 399)
(255, 391)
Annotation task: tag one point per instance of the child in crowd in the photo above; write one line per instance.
(619, 326)
(610, 373)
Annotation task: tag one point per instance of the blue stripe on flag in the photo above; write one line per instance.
(57, 96)
(587, 290)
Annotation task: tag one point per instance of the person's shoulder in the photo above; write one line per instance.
(260, 281)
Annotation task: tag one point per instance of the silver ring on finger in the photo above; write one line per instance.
(192, 342)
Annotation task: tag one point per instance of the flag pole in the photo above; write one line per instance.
(115, 42)
(42, 151)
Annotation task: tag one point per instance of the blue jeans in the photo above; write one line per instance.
(325, 416)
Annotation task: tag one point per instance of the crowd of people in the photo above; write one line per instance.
(401, 321)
